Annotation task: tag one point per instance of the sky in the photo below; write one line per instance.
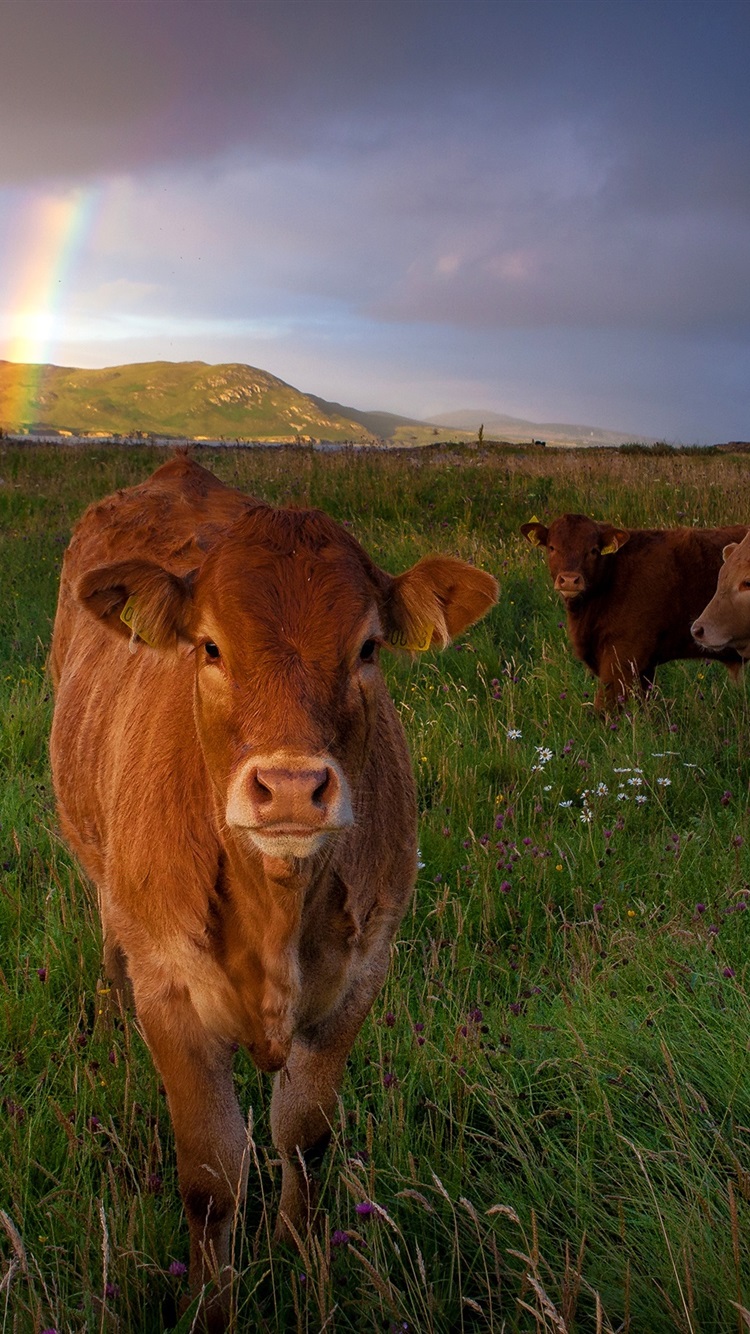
(532, 207)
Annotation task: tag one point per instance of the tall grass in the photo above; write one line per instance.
(545, 1124)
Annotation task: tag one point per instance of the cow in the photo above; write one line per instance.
(232, 775)
(631, 594)
(724, 625)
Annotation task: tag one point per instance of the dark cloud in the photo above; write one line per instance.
(488, 176)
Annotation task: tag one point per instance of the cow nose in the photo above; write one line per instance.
(569, 582)
(697, 630)
(302, 798)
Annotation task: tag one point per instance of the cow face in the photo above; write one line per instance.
(725, 623)
(285, 621)
(577, 551)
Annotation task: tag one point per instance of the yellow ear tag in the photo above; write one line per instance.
(126, 616)
(419, 644)
(610, 548)
(532, 538)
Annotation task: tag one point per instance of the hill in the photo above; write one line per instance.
(383, 424)
(188, 398)
(517, 428)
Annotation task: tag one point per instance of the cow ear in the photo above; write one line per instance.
(141, 600)
(434, 601)
(727, 551)
(535, 533)
(612, 538)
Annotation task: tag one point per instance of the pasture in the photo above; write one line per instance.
(545, 1124)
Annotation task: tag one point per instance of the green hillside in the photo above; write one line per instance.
(188, 398)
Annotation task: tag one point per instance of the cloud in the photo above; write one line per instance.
(402, 195)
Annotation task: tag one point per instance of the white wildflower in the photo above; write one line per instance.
(544, 753)
(640, 798)
(635, 782)
(513, 734)
(622, 771)
(623, 796)
(587, 815)
(547, 787)
(602, 790)
(565, 803)
(664, 782)
(537, 768)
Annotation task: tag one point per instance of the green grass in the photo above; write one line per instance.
(549, 1105)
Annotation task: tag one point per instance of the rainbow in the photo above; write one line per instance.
(50, 234)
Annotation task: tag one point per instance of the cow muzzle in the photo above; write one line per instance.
(570, 585)
(289, 805)
(712, 640)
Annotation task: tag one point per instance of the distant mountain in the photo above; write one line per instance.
(383, 424)
(188, 398)
(193, 400)
(497, 425)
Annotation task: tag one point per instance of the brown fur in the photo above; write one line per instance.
(239, 789)
(631, 595)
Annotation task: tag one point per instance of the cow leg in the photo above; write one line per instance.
(303, 1105)
(116, 968)
(619, 677)
(210, 1138)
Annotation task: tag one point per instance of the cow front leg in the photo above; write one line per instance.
(619, 677)
(303, 1106)
(210, 1139)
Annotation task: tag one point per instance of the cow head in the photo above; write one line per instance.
(285, 621)
(578, 550)
(725, 622)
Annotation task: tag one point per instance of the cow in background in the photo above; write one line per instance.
(631, 594)
(233, 776)
(724, 625)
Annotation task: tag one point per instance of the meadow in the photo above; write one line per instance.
(545, 1124)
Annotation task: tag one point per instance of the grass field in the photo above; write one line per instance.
(548, 1110)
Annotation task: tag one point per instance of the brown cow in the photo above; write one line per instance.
(233, 776)
(725, 623)
(631, 594)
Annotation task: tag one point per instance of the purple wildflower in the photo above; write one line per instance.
(365, 1208)
(111, 1290)
(700, 907)
(177, 1269)
(728, 972)
(725, 798)
(389, 1080)
(390, 1019)
(339, 1238)
(42, 974)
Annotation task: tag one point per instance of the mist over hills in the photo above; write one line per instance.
(195, 400)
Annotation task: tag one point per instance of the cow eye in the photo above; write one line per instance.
(212, 650)
(595, 551)
(367, 651)
(745, 583)
(550, 548)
